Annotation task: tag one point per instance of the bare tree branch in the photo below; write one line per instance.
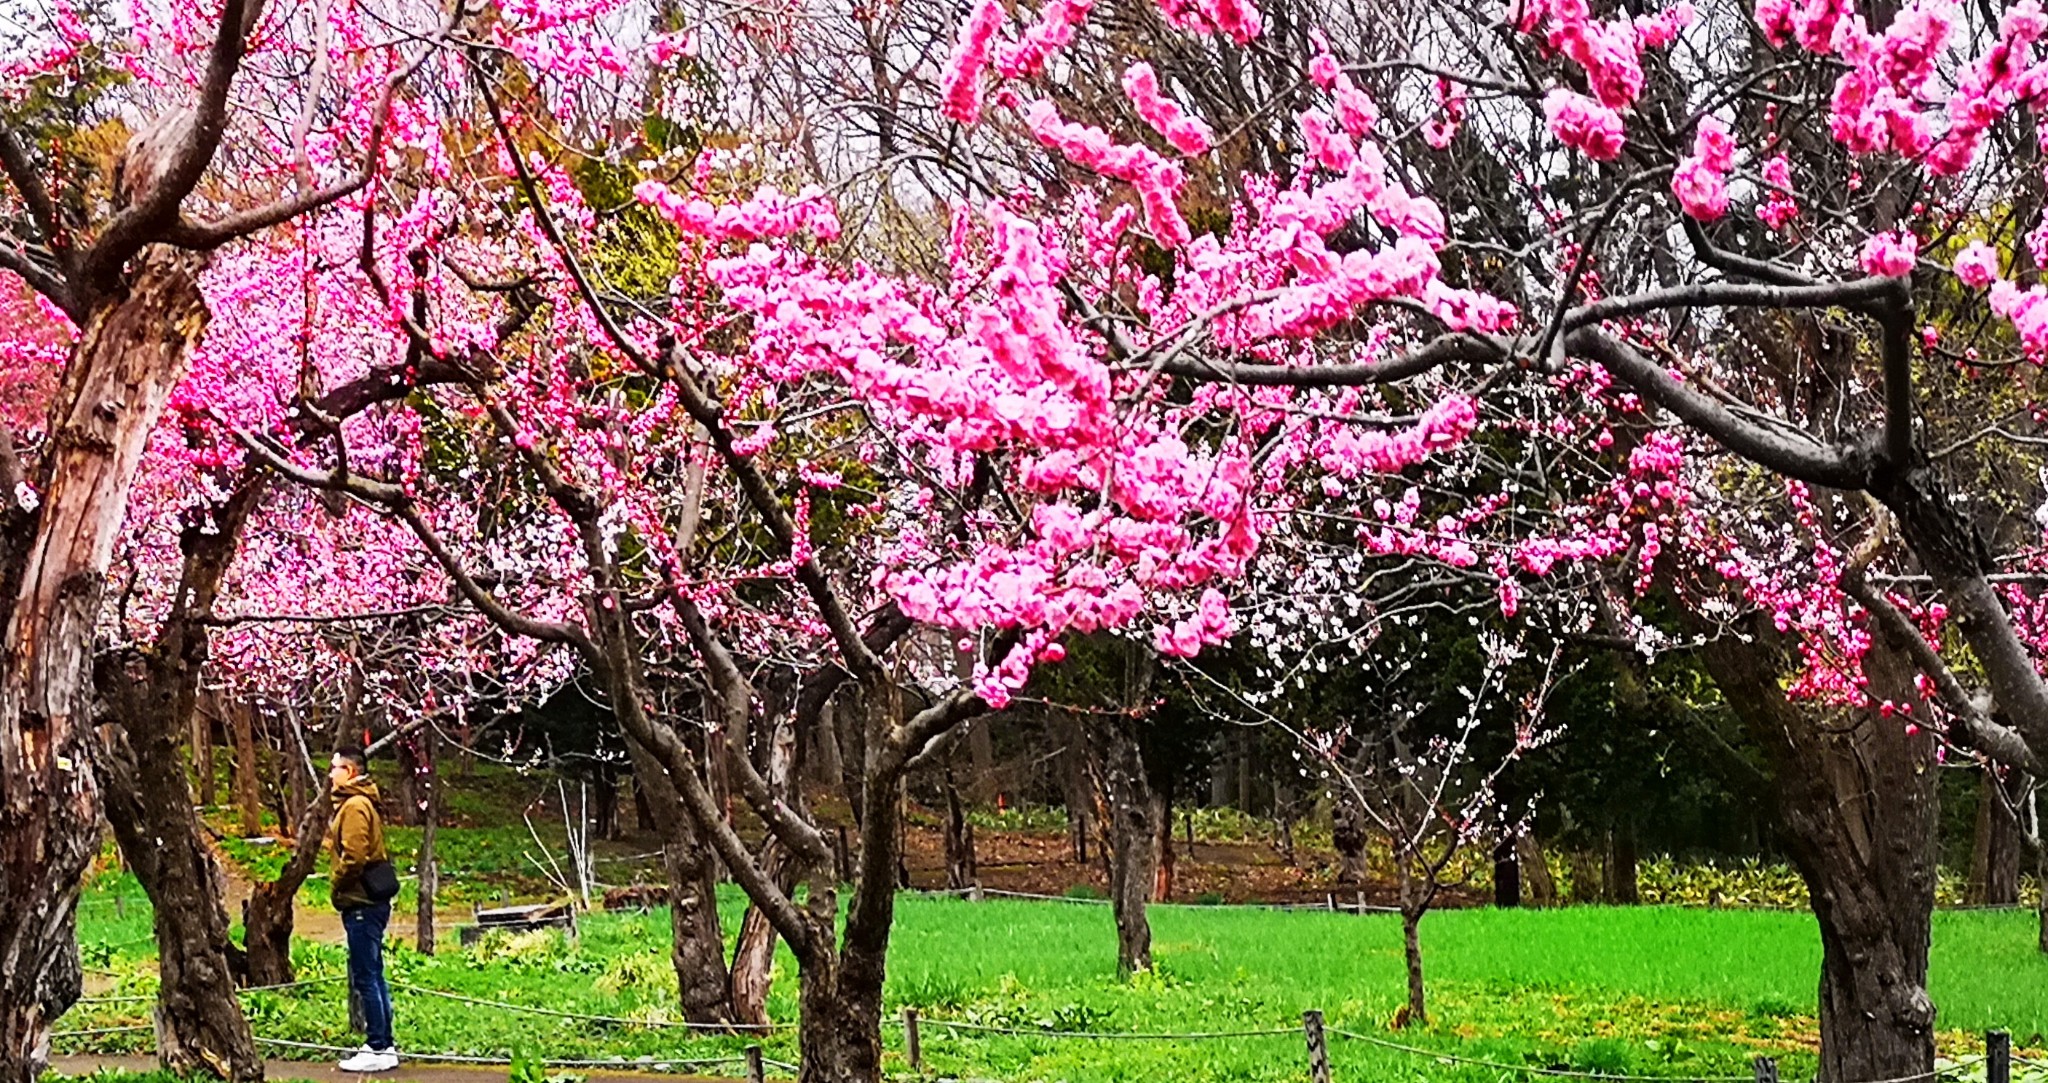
(1787, 452)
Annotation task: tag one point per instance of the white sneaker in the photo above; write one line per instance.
(371, 1060)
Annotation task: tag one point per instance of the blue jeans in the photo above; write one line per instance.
(365, 928)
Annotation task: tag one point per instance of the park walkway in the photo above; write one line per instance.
(279, 1071)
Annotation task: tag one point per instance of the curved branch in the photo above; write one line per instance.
(1979, 731)
(1856, 293)
(1458, 348)
(709, 413)
(1792, 454)
(156, 208)
(21, 171)
(733, 687)
(397, 503)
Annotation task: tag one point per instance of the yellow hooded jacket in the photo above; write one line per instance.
(356, 838)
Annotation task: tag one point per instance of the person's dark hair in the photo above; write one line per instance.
(353, 753)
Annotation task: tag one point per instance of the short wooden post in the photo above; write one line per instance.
(120, 906)
(1766, 1070)
(911, 1045)
(1331, 899)
(1318, 1051)
(1997, 1057)
(755, 1073)
(1361, 904)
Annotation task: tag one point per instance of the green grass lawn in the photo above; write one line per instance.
(1659, 991)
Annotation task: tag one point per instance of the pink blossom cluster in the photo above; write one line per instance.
(46, 57)
(1610, 53)
(1583, 124)
(1054, 31)
(1977, 266)
(1355, 109)
(1700, 181)
(1156, 180)
(1349, 451)
(769, 214)
(1879, 103)
(960, 89)
(1211, 622)
(1439, 130)
(1779, 207)
(1237, 20)
(1891, 254)
(1187, 133)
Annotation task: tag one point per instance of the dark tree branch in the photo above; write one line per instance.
(1978, 730)
(14, 257)
(1735, 263)
(709, 413)
(732, 686)
(396, 502)
(1462, 347)
(42, 210)
(1856, 293)
(1790, 453)
(155, 209)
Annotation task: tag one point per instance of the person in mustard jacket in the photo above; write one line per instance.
(356, 839)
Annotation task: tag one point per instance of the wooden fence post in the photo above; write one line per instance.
(1997, 1057)
(1318, 1050)
(911, 1045)
(1766, 1070)
(755, 1073)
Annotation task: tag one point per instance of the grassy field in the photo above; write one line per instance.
(1652, 990)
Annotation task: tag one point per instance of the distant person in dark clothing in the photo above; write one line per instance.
(362, 892)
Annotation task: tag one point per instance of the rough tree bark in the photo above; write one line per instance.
(129, 354)
(267, 914)
(697, 950)
(153, 694)
(1535, 870)
(1507, 873)
(606, 816)
(1075, 790)
(1618, 881)
(428, 866)
(1857, 811)
(960, 871)
(1130, 839)
(1995, 851)
(753, 953)
(248, 788)
(202, 757)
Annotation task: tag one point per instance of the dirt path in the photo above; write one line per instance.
(326, 1072)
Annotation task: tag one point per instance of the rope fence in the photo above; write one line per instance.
(613, 1020)
(141, 997)
(1997, 1059)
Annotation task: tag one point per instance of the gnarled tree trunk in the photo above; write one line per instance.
(129, 354)
(1131, 816)
(268, 915)
(1857, 805)
(199, 1024)
(154, 695)
(698, 948)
